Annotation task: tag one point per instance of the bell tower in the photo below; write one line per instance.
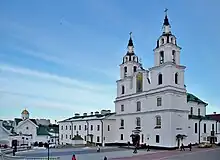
(130, 62)
(167, 49)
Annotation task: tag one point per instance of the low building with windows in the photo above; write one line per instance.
(98, 128)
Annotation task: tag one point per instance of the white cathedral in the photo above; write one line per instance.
(154, 102)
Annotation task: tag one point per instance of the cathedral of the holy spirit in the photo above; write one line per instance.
(152, 103)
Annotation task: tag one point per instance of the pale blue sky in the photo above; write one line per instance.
(62, 57)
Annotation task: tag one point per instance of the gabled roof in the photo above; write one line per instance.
(33, 121)
(193, 98)
(17, 120)
(77, 137)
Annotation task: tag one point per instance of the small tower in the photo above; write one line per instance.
(167, 49)
(25, 114)
(130, 62)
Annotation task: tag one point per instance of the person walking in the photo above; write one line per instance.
(190, 146)
(148, 148)
(182, 147)
(105, 158)
(74, 157)
(135, 149)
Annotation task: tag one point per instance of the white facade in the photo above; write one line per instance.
(95, 128)
(4, 134)
(155, 101)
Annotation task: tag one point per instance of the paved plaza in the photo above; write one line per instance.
(126, 154)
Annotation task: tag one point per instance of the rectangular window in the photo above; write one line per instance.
(191, 111)
(195, 127)
(122, 137)
(85, 127)
(213, 127)
(75, 127)
(61, 127)
(157, 139)
(98, 139)
(70, 127)
(66, 136)
(91, 127)
(122, 123)
(142, 138)
(85, 138)
(198, 111)
(108, 127)
(122, 108)
(61, 136)
(138, 106)
(79, 127)
(70, 137)
(66, 127)
(204, 128)
(159, 101)
(98, 127)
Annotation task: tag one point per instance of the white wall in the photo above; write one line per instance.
(197, 106)
(4, 135)
(27, 127)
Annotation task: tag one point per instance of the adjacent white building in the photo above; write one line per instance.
(98, 128)
(153, 103)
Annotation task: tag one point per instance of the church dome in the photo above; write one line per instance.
(25, 112)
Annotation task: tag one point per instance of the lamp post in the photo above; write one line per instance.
(200, 119)
(48, 149)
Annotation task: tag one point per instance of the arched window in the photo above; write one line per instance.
(138, 121)
(158, 121)
(161, 57)
(133, 58)
(126, 59)
(135, 68)
(122, 89)
(125, 71)
(160, 79)
(171, 39)
(139, 82)
(174, 56)
(176, 78)
(162, 41)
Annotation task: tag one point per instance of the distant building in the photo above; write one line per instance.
(27, 131)
(96, 128)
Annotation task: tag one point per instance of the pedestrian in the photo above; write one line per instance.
(148, 147)
(190, 146)
(74, 157)
(182, 147)
(98, 148)
(135, 149)
(105, 158)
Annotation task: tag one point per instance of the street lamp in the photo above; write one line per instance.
(48, 149)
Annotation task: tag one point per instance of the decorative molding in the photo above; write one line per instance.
(154, 111)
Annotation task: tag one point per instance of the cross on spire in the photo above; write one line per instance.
(130, 34)
(165, 11)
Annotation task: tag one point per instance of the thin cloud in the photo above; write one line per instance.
(53, 77)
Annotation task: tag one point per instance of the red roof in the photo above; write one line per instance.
(214, 116)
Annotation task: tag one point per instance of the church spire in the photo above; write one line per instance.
(166, 24)
(130, 42)
(130, 46)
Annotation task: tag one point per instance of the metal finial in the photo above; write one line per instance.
(166, 11)
(130, 34)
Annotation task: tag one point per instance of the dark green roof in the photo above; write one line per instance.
(87, 116)
(200, 117)
(77, 137)
(192, 98)
(46, 130)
